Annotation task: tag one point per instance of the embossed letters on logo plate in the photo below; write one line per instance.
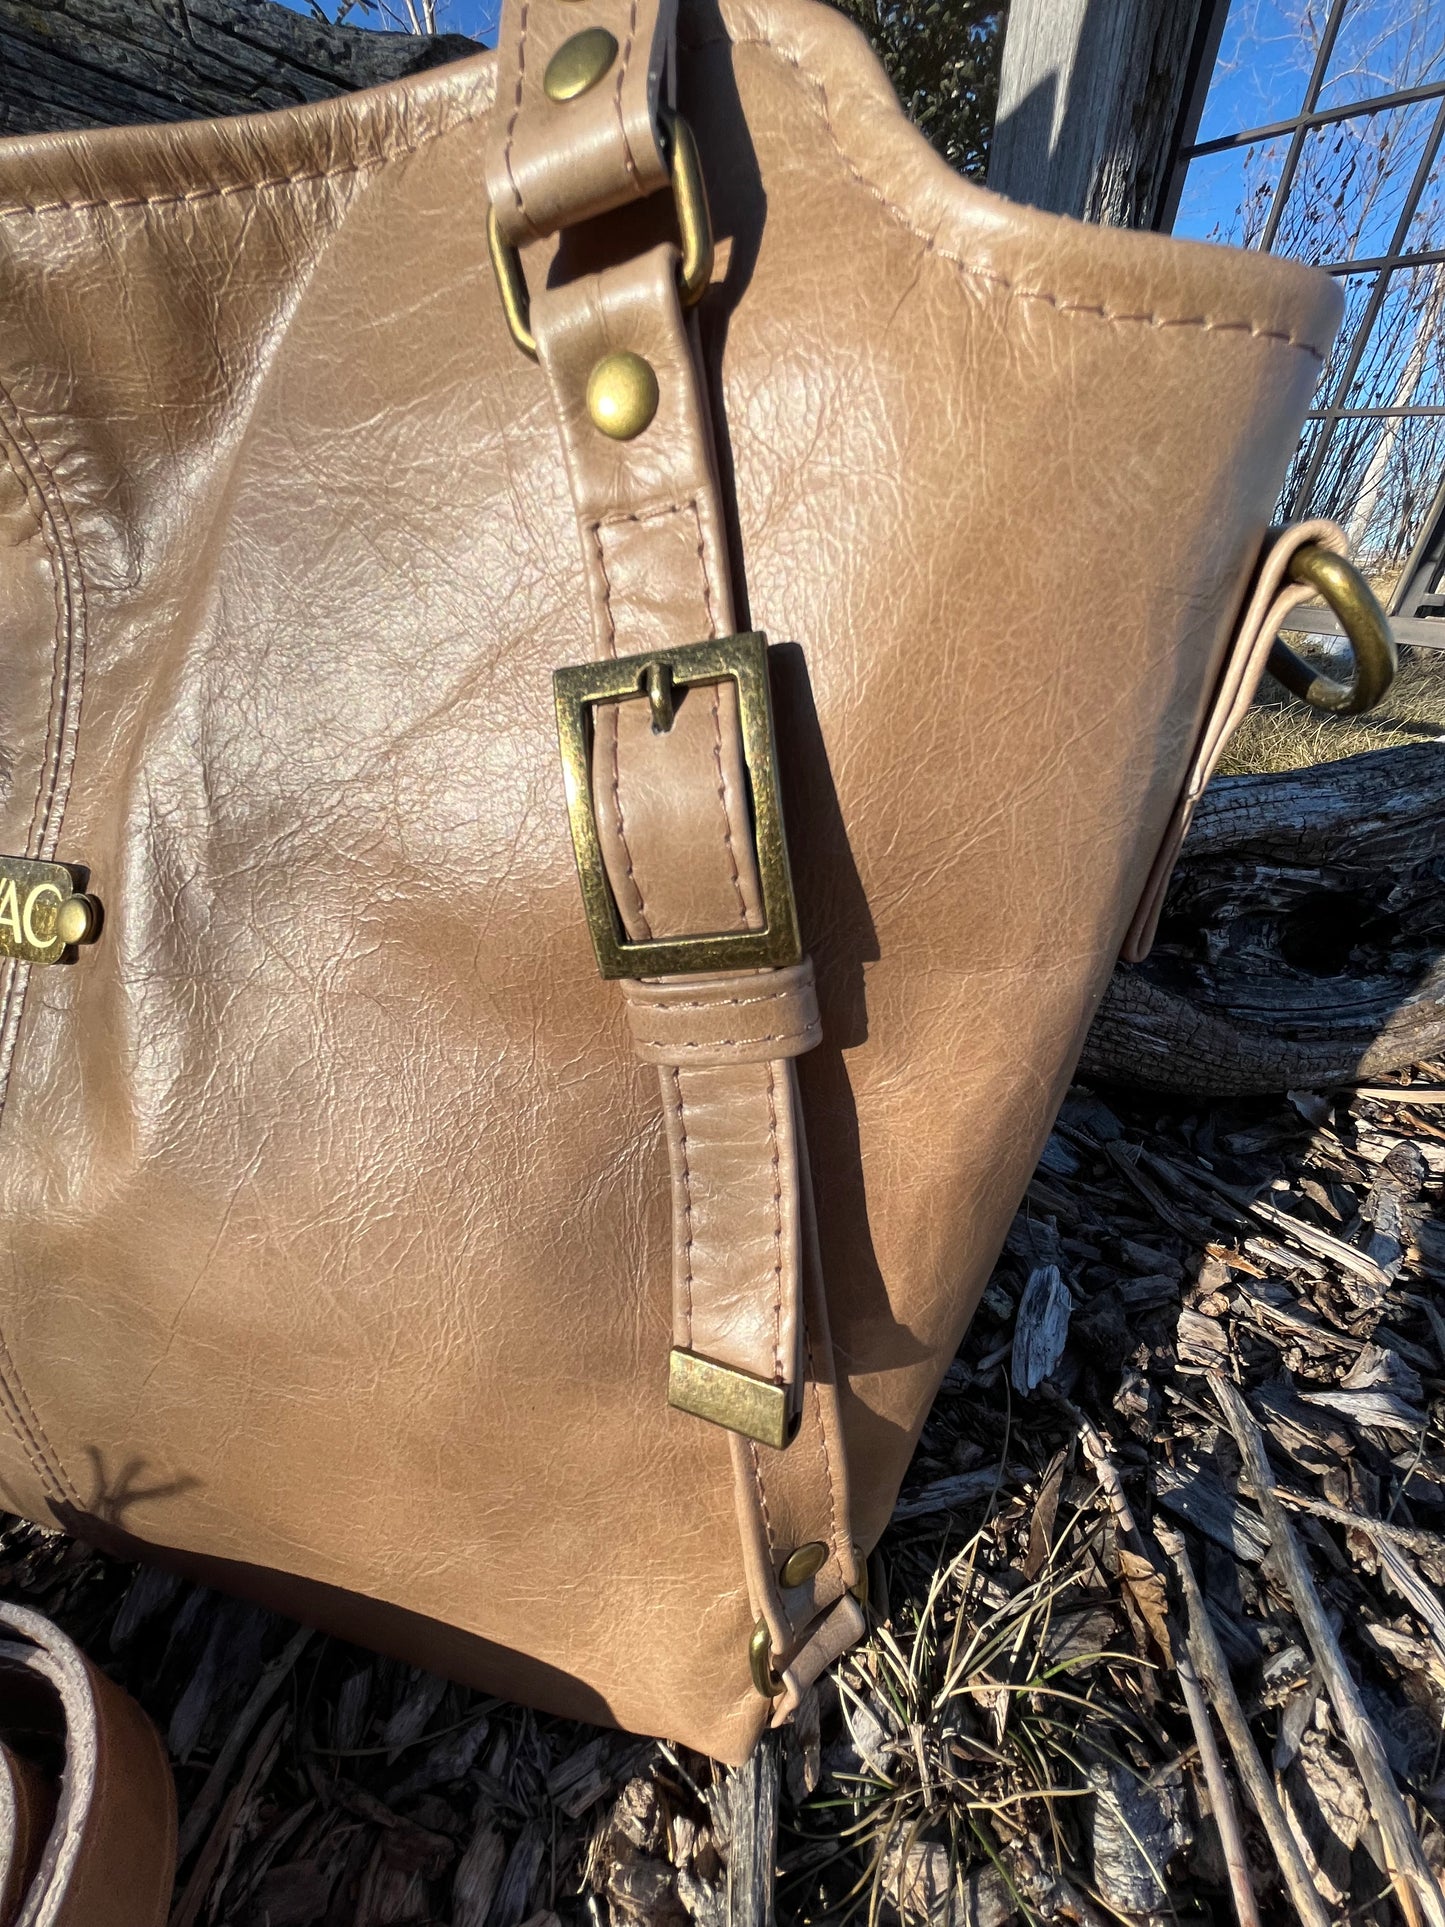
(41, 912)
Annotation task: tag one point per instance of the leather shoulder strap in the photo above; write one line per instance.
(563, 151)
(97, 1847)
(670, 805)
(1266, 610)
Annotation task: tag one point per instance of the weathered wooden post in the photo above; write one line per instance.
(1096, 97)
(110, 63)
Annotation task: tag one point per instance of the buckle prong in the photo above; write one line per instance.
(658, 682)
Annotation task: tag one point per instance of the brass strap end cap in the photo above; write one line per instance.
(756, 1407)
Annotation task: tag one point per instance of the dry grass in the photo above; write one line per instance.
(1280, 733)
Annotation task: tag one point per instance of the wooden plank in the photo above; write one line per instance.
(1420, 632)
(753, 1847)
(105, 63)
(1093, 96)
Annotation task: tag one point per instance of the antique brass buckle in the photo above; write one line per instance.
(42, 913)
(660, 677)
(694, 230)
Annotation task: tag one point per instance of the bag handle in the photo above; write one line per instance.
(1306, 559)
(673, 794)
(97, 1847)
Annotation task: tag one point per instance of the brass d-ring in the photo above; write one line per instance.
(760, 1646)
(760, 1662)
(694, 231)
(1366, 627)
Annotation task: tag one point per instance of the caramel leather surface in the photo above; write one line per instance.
(334, 1203)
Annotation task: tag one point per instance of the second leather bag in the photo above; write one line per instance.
(548, 1283)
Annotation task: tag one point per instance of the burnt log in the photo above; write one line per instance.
(1302, 945)
(112, 63)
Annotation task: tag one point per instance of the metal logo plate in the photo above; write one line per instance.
(32, 897)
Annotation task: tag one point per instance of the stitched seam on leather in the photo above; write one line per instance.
(55, 715)
(650, 515)
(777, 1224)
(627, 156)
(645, 927)
(20, 1411)
(891, 208)
(725, 1043)
(711, 1003)
(25, 1423)
(695, 505)
(382, 158)
(22, 1431)
(722, 797)
(27, 462)
(516, 112)
(823, 1440)
(763, 1508)
(901, 217)
(18, 976)
(57, 531)
(686, 1204)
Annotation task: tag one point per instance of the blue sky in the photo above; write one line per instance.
(1261, 76)
(477, 18)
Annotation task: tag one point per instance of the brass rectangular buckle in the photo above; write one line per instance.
(742, 660)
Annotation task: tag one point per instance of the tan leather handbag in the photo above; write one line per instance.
(549, 1285)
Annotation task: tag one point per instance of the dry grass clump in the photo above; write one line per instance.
(983, 1727)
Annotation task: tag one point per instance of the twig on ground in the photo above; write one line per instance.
(198, 1889)
(1402, 1844)
(1380, 1530)
(1147, 1584)
(1220, 1798)
(1208, 1658)
(1136, 1565)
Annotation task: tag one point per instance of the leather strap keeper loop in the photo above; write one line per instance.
(750, 1018)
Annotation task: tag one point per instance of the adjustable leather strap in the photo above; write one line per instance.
(558, 162)
(1265, 613)
(94, 1844)
(673, 820)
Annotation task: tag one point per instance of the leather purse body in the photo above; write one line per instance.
(339, 1214)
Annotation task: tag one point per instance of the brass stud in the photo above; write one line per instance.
(78, 920)
(579, 63)
(799, 1566)
(622, 395)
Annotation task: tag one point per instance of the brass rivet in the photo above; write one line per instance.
(579, 63)
(799, 1566)
(622, 395)
(78, 920)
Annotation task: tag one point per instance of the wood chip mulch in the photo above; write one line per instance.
(1157, 1630)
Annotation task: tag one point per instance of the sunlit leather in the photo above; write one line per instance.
(334, 1204)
